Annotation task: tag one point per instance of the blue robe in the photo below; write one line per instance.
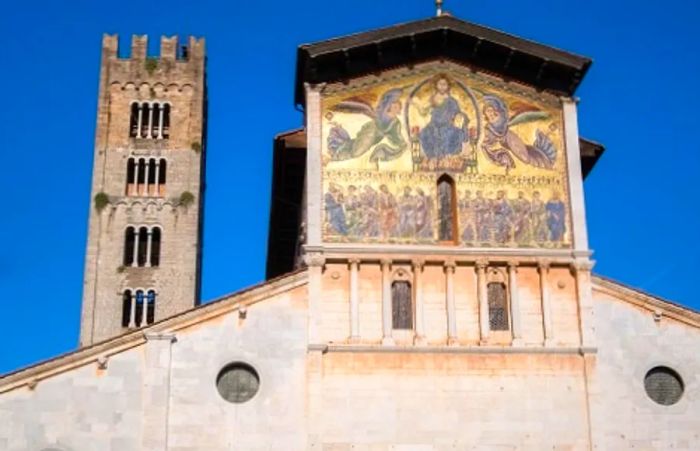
(335, 215)
(556, 214)
(440, 137)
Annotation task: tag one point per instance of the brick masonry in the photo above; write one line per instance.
(181, 82)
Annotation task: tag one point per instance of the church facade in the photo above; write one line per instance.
(429, 280)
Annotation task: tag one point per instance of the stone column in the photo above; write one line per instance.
(354, 301)
(140, 119)
(161, 110)
(136, 175)
(450, 304)
(156, 185)
(484, 327)
(419, 338)
(315, 263)
(149, 239)
(146, 170)
(135, 260)
(515, 315)
(543, 267)
(573, 153)
(132, 310)
(314, 182)
(581, 270)
(150, 122)
(387, 324)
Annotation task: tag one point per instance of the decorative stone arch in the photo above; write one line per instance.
(403, 305)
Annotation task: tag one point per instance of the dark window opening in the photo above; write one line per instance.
(166, 120)
(446, 209)
(151, 177)
(126, 308)
(162, 172)
(151, 302)
(138, 314)
(130, 176)
(156, 121)
(142, 246)
(129, 237)
(155, 246)
(401, 305)
(145, 120)
(140, 175)
(498, 306)
(134, 120)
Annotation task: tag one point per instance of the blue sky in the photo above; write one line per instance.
(638, 99)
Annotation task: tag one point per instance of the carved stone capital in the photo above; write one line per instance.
(481, 264)
(386, 263)
(354, 262)
(418, 264)
(314, 260)
(512, 264)
(543, 264)
(450, 265)
(581, 266)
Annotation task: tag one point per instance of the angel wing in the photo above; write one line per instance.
(528, 116)
(356, 106)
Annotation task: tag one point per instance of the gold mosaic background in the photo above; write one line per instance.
(387, 141)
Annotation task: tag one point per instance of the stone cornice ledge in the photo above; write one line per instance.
(569, 350)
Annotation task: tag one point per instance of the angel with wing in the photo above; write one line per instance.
(382, 133)
(501, 143)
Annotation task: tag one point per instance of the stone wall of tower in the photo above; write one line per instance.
(178, 80)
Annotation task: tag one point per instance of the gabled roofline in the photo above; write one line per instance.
(640, 298)
(442, 37)
(116, 345)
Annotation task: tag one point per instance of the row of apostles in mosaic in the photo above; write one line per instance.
(363, 212)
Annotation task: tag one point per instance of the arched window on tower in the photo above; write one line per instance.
(498, 306)
(142, 251)
(166, 121)
(138, 311)
(151, 182)
(130, 177)
(129, 238)
(162, 170)
(155, 246)
(145, 120)
(126, 308)
(140, 176)
(150, 306)
(134, 121)
(401, 305)
(447, 216)
(155, 129)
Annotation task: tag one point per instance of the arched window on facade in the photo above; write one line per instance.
(142, 251)
(126, 308)
(498, 305)
(134, 121)
(401, 305)
(129, 238)
(447, 211)
(155, 246)
(146, 177)
(155, 128)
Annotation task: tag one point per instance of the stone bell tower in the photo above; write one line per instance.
(144, 238)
